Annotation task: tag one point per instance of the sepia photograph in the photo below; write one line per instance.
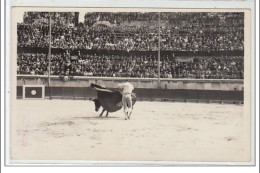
(130, 84)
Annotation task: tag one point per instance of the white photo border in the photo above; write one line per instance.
(113, 4)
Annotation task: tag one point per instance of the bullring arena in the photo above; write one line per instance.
(72, 130)
(68, 128)
(187, 69)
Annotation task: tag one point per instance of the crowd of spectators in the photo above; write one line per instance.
(133, 31)
(135, 66)
(178, 32)
(60, 18)
(119, 17)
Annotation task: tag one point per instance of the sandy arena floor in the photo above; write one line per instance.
(72, 130)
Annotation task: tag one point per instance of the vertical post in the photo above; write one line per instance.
(49, 57)
(159, 47)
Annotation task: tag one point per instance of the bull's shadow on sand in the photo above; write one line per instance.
(98, 118)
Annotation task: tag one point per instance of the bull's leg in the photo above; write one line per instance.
(102, 112)
(107, 114)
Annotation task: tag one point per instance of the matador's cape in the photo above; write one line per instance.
(110, 99)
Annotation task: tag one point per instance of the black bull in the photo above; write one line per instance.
(110, 100)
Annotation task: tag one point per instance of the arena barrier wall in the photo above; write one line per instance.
(198, 90)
